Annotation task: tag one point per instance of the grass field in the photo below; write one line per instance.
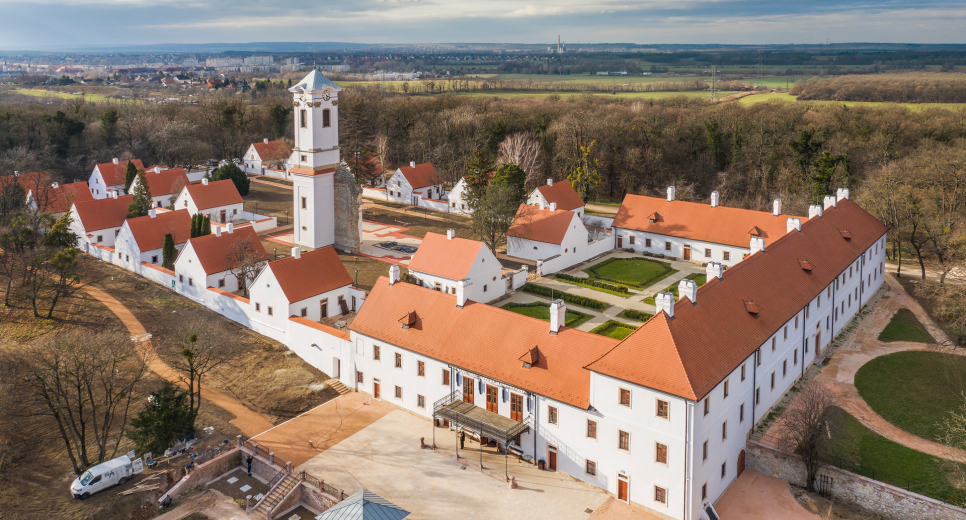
(914, 390)
(634, 272)
(862, 451)
(93, 98)
(701, 279)
(541, 311)
(904, 326)
(788, 98)
(614, 329)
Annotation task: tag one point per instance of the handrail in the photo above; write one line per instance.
(457, 395)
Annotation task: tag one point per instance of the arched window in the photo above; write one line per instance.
(326, 118)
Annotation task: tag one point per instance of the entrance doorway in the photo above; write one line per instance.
(552, 458)
(741, 462)
(620, 242)
(491, 402)
(375, 388)
(467, 390)
(622, 488)
(818, 344)
(687, 253)
(336, 367)
(222, 216)
(516, 407)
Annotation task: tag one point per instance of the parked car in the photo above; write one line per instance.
(102, 476)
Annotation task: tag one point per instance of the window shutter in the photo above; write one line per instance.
(459, 379)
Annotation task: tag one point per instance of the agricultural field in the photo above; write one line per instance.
(788, 98)
(91, 98)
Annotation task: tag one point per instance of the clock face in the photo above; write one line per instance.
(302, 96)
(326, 95)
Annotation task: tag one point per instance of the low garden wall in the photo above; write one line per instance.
(207, 472)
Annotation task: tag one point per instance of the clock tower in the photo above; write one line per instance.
(315, 159)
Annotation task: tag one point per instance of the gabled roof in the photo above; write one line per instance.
(364, 505)
(484, 339)
(445, 258)
(103, 213)
(113, 174)
(719, 225)
(27, 181)
(214, 194)
(562, 194)
(690, 354)
(542, 225)
(167, 182)
(314, 81)
(149, 231)
(59, 199)
(214, 252)
(421, 175)
(272, 149)
(316, 272)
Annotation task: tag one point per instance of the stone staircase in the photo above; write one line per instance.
(337, 385)
(275, 495)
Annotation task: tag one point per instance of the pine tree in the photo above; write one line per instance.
(513, 176)
(205, 225)
(129, 175)
(166, 418)
(195, 225)
(168, 253)
(142, 202)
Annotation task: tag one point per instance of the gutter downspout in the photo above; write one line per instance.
(754, 388)
(687, 462)
(804, 336)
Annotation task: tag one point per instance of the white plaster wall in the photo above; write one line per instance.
(98, 189)
(531, 249)
(313, 305)
(677, 246)
(232, 211)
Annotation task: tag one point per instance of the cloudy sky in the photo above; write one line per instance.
(49, 24)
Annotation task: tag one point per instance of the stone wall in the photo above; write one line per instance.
(348, 218)
(207, 472)
(874, 496)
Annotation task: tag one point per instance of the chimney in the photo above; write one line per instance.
(542, 204)
(16, 174)
(715, 199)
(265, 140)
(793, 223)
(776, 207)
(217, 231)
(688, 289)
(115, 160)
(757, 244)
(714, 269)
(553, 206)
(815, 210)
(152, 213)
(450, 234)
(549, 182)
(393, 274)
(114, 194)
(412, 164)
(842, 193)
(830, 201)
(230, 228)
(204, 181)
(297, 253)
(558, 315)
(461, 293)
(670, 193)
(664, 302)
(54, 185)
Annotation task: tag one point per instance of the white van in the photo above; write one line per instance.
(102, 476)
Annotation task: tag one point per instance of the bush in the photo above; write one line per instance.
(540, 290)
(233, 172)
(635, 315)
(592, 283)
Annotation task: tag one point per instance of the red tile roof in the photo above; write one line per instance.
(215, 194)
(446, 258)
(59, 199)
(213, 251)
(113, 174)
(720, 225)
(421, 175)
(704, 342)
(546, 226)
(103, 213)
(563, 194)
(316, 272)
(487, 340)
(27, 181)
(272, 150)
(149, 232)
(167, 182)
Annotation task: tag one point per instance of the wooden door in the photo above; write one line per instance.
(552, 459)
(375, 389)
(620, 242)
(516, 407)
(491, 396)
(324, 309)
(741, 462)
(467, 390)
(336, 367)
(622, 489)
(222, 216)
(687, 253)
(818, 343)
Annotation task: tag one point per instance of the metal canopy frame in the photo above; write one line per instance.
(488, 424)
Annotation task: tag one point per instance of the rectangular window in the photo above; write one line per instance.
(707, 252)
(758, 395)
(725, 389)
(303, 118)
(623, 440)
(774, 341)
(100, 238)
(625, 397)
(258, 306)
(398, 392)
(420, 369)
(772, 380)
(707, 405)
(631, 239)
(445, 377)
(786, 332)
(758, 357)
(663, 409)
(154, 259)
(591, 468)
(796, 354)
(796, 322)
(667, 246)
(516, 407)
(742, 372)
(484, 287)
(785, 368)
(647, 242)
(221, 282)
(304, 203)
(724, 469)
(660, 495)
(807, 307)
(326, 118)
(660, 455)
(726, 256)
(359, 378)
(376, 352)
(270, 313)
(704, 491)
(724, 431)
(591, 429)
(398, 360)
(741, 413)
(304, 311)
(552, 414)
(420, 401)
(704, 451)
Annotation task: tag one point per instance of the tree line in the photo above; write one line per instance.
(920, 87)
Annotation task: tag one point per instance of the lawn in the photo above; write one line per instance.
(634, 272)
(904, 326)
(541, 311)
(914, 390)
(673, 288)
(862, 451)
(595, 285)
(614, 329)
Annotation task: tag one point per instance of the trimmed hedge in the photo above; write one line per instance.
(572, 321)
(632, 314)
(540, 290)
(593, 271)
(592, 283)
(612, 323)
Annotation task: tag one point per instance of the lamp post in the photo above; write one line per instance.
(275, 252)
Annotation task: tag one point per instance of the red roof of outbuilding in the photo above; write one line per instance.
(440, 256)
(316, 272)
(214, 251)
(719, 225)
(562, 194)
(272, 150)
(149, 232)
(214, 194)
(167, 182)
(27, 181)
(542, 225)
(114, 174)
(59, 199)
(421, 175)
(103, 213)
(487, 340)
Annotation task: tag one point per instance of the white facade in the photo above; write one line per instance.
(270, 305)
(218, 214)
(99, 190)
(483, 283)
(401, 191)
(682, 248)
(573, 243)
(158, 201)
(537, 199)
(128, 255)
(253, 162)
(103, 237)
(457, 199)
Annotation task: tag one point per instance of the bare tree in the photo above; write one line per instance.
(245, 262)
(803, 426)
(523, 150)
(494, 213)
(195, 347)
(954, 434)
(382, 151)
(84, 385)
(595, 226)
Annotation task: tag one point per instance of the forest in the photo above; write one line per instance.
(922, 87)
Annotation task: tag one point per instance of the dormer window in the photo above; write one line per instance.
(408, 320)
(806, 265)
(846, 234)
(756, 232)
(653, 217)
(752, 307)
(530, 358)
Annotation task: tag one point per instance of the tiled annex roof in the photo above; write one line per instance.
(166, 182)
(103, 213)
(214, 251)
(440, 256)
(113, 174)
(541, 225)
(484, 339)
(59, 199)
(149, 232)
(27, 181)
(272, 149)
(688, 355)
(214, 194)
(562, 194)
(316, 272)
(421, 175)
(719, 225)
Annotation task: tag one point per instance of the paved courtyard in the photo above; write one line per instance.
(754, 496)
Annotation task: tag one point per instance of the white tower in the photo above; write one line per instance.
(315, 159)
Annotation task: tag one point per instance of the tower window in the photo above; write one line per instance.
(303, 118)
(326, 118)
(303, 203)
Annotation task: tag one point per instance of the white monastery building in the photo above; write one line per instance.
(538, 233)
(99, 221)
(560, 193)
(267, 154)
(109, 177)
(163, 185)
(457, 198)
(57, 199)
(207, 261)
(411, 183)
(217, 199)
(450, 264)
(142, 239)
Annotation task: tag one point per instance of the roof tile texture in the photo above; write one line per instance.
(214, 251)
(314, 273)
(59, 199)
(167, 182)
(562, 194)
(421, 175)
(215, 194)
(445, 258)
(103, 213)
(545, 225)
(149, 232)
(113, 174)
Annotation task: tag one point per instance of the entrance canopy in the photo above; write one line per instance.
(489, 424)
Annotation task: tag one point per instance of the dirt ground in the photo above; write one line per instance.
(271, 199)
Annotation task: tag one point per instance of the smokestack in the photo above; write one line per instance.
(115, 160)
(553, 206)
(558, 315)
(793, 223)
(757, 244)
(152, 213)
(715, 199)
(714, 270)
(54, 185)
(114, 194)
(393, 274)
(688, 289)
(815, 210)
(541, 204)
(830, 201)
(412, 164)
(777, 207)
(230, 228)
(450, 234)
(265, 140)
(549, 182)
(664, 301)
(297, 253)
(670, 193)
